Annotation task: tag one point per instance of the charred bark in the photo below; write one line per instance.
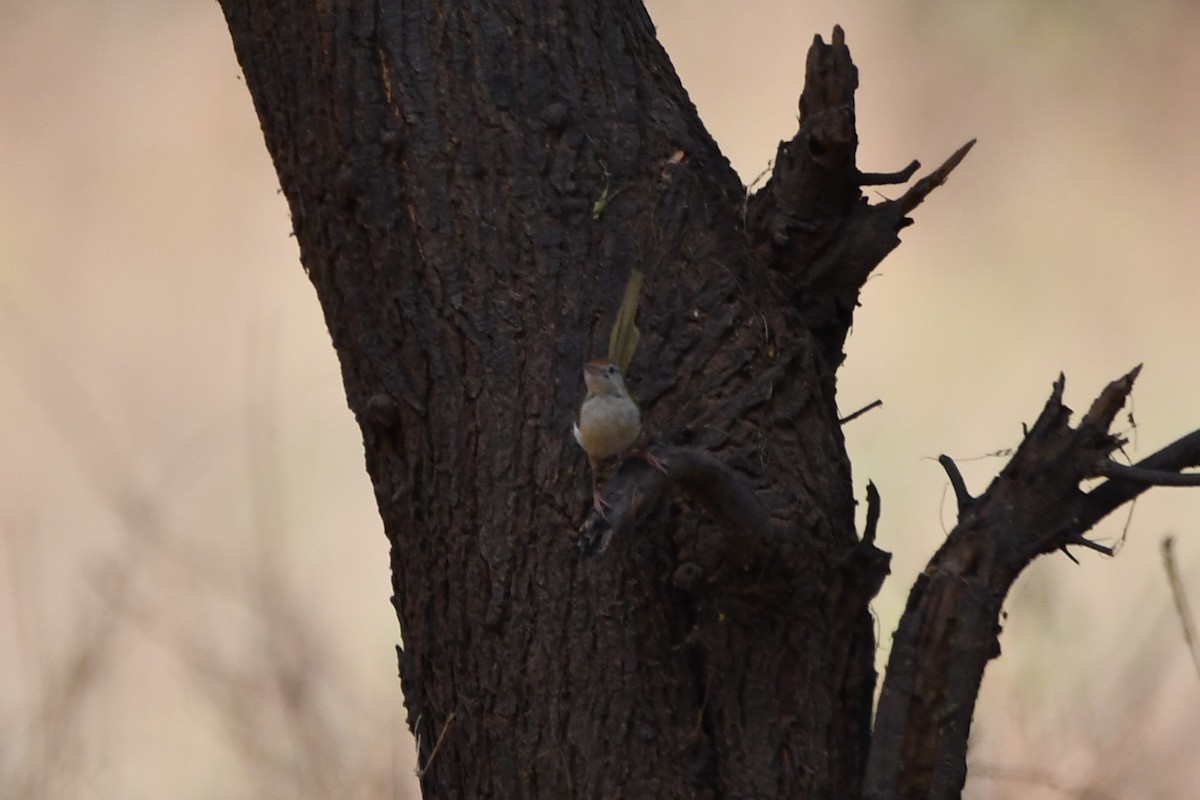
(951, 625)
(470, 185)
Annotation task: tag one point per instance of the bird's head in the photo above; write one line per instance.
(603, 377)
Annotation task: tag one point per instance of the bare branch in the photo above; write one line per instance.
(961, 494)
(886, 178)
(1111, 495)
(922, 188)
(951, 623)
(1084, 542)
(856, 414)
(705, 479)
(1149, 477)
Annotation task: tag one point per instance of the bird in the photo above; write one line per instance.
(610, 421)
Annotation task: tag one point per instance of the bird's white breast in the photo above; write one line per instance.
(608, 425)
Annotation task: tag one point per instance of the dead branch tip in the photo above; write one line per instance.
(1111, 400)
(917, 193)
(961, 494)
(873, 509)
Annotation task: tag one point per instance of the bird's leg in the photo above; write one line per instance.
(645, 455)
(598, 501)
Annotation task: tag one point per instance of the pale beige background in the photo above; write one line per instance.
(194, 590)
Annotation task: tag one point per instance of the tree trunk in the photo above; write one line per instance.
(470, 186)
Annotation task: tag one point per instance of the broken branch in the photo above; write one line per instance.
(961, 494)
(708, 481)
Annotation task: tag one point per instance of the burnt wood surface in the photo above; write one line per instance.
(470, 185)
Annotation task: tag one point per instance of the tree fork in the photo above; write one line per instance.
(469, 187)
(951, 624)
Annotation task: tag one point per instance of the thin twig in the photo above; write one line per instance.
(884, 178)
(860, 412)
(1072, 538)
(1181, 604)
(1063, 549)
(1091, 545)
(436, 746)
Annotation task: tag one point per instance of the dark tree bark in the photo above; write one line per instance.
(470, 185)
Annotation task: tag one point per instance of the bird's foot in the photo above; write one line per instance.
(645, 455)
(599, 503)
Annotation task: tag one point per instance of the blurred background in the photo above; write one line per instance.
(193, 579)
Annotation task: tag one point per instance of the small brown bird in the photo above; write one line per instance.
(609, 420)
